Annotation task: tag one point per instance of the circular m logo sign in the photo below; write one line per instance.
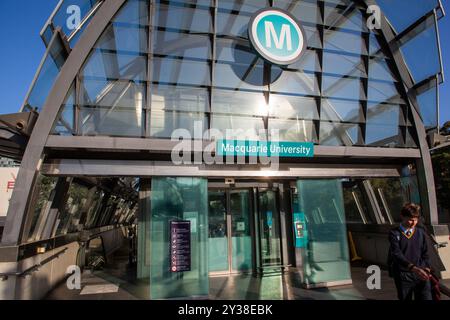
(277, 36)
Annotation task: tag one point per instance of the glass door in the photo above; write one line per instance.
(241, 239)
(269, 228)
(230, 236)
(218, 232)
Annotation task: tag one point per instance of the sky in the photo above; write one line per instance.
(21, 51)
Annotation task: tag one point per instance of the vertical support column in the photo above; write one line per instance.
(143, 230)
(283, 225)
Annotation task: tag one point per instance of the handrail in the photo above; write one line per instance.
(5, 276)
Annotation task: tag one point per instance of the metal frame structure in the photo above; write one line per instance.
(34, 161)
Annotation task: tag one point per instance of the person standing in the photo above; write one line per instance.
(409, 262)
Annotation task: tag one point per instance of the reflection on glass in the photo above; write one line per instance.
(269, 226)
(327, 254)
(339, 16)
(241, 245)
(239, 127)
(428, 105)
(175, 71)
(340, 134)
(344, 88)
(343, 65)
(384, 136)
(342, 111)
(239, 103)
(175, 199)
(53, 61)
(292, 107)
(181, 45)
(292, 82)
(292, 130)
(384, 92)
(218, 233)
(181, 16)
(345, 42)
(422, 45)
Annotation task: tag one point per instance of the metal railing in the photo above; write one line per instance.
(33, 269)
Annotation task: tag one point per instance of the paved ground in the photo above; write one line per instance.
(242, 287)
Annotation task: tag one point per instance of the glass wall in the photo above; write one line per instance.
(326, 257)
(197, 65)
(175, 199)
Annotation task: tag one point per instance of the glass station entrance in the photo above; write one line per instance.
(244, 230)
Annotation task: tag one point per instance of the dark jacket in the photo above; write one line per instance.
(403, 252)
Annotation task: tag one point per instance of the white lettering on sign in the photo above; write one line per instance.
(285, 35)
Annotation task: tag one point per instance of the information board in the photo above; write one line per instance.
(180, 246)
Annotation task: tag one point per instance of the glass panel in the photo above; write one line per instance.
(181, 45)
(423, 46)
(401, 14)
(342, 111)
(60, 18)
(269, 224)
(240, 231)
(65, 124)
(179, 199)
(164, 123)
(178, 107)
(384, 136)
(124, 38)
(292, 82)
(385, 114)
(293, 107)
(380, 70)
(115, 110)
(218, 237)
(53, 61)
(308, 62)
(45, 186)
(384, 92)
(292, 130)
(428, 101)
(389, 192)
(239, 102)
(181, 17)
(232, 24)
(343, 65)
(234, 76)
(135, 12)
(343, 88)
(241, 127)
(340, 134)
(327, 255)
(112, 66)
(356, 203)
(179, 98)
(345, 42)
(176, 71)
(313, 38)
(340, 17)
(243, 6)
(69, 220)
(304, 11)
